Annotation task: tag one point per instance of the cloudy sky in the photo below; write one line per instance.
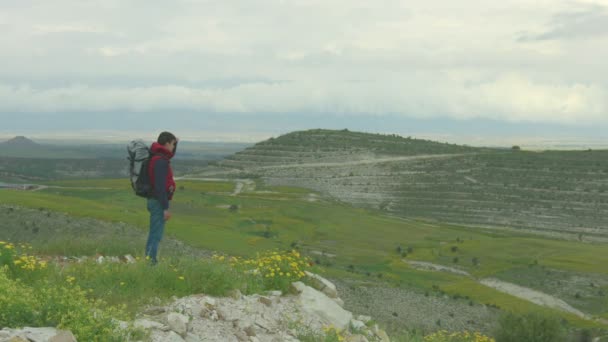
(249, 69)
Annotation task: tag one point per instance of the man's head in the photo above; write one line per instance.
(168, 140)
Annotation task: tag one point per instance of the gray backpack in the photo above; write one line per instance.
(139, 159)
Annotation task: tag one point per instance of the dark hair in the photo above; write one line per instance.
(166, 137)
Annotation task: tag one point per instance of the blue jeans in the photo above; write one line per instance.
(157, 227)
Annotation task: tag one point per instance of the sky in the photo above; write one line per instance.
(468, 71)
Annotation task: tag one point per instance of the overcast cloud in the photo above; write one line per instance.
(507, 61)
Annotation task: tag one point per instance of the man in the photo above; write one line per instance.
(161, 179)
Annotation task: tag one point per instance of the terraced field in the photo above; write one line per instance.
(556, 193)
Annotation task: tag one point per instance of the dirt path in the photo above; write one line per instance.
(434, 267)
(362, 161)
(533, 296)
(524, 293)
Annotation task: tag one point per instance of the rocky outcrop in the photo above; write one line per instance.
(36, 335)
(270, 317)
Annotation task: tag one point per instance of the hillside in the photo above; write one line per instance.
(319, 145)
(557, 193)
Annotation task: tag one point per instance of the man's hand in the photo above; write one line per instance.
(167, 215)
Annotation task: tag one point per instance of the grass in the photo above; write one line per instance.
(365, 239)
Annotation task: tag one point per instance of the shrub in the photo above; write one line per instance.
(62, 306)
(271, 270)
(531, 327)
(464, 336)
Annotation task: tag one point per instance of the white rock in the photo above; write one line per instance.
(38, 334)
(114, 259)
(297, 287)
(130, 259)
(121, 324)
(338, 301)
(253, 339)
(63, 336)
(195, 309)
(364, 319)
(241, 336)
(323, 285)
(356, 324)
(100, 259)
(209, 302)
(275, 293)
(192, 338)
(178, 323)
(148, 324)
(172, 336)
(317, 303)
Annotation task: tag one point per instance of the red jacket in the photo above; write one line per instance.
(163, 194)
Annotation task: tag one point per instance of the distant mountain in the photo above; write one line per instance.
(19, 141)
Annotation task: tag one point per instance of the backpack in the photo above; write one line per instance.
(139, 159)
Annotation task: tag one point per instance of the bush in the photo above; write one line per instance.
(464, 336)
(530, 327)
(270, 270)
(62, 306)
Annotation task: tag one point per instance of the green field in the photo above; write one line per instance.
(364, 242)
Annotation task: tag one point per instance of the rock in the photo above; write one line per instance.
(100, 259)
(192, 338)
(113, 259)
(221, 315)
(356, 324)
(338, 301)
(195, 310)
(63, 336)
(130, 259)
(178, 323)
(265, 300)
(154, 310)
(253, 339)
(18, 339)
(364, 319)
(317, 303)
(38, 334)
(250, 331)
(148, 324)
(297, 287)
(241, 336)
(235, 294)
(121, 324)
(356, 338)
(383, 336)
(209, 302)
(323, 285)
(274, 293)
(172, 336)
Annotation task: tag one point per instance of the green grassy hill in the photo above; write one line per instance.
(366, 246)
(557, 193)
